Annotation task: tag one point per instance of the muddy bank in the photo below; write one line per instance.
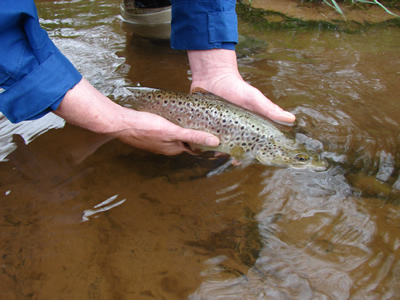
(275, 12)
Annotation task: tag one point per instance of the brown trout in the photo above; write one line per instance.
(243, 134)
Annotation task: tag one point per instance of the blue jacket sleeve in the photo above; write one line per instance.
(34, 75)
(204, 24)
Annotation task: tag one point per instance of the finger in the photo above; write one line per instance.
(197, 137)
(269, 109)
(279, 115)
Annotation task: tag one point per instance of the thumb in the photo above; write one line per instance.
(198, 137)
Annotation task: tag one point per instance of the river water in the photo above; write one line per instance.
(79, 221)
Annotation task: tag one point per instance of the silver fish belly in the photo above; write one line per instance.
(242, 133)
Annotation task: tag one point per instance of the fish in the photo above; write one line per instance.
(243, 135)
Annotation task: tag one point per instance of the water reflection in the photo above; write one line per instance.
(28, 130)
(162, 227)
(150, 60)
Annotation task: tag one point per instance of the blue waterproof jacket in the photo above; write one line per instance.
(35, 76)
(204, 24)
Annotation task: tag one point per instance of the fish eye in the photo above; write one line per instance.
(301, 157)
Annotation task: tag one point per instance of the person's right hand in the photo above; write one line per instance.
(156, 134)
(86, 107)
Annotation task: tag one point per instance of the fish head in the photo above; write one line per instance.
(297, 157)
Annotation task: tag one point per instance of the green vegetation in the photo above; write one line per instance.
(383, 4)
(253, 18)
(261, 19)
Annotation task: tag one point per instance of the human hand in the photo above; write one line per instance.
(154, 133)
(86, 107)
(216, 71)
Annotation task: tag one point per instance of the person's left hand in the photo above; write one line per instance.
(216, 71)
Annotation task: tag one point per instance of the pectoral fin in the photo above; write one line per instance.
(237, 152)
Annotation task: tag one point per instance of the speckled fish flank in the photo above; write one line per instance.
(242, 134)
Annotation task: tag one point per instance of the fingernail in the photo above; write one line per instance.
(211, 141)
(289, 114)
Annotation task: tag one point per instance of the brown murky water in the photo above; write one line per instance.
(79, 222)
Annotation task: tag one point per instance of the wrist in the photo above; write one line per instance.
(86, 107)
(206, 64)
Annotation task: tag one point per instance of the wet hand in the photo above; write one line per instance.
(216, 71)
(86, 107)
(156, 134)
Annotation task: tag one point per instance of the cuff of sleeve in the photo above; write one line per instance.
(204, 25)
(41, 90)
(222, 28)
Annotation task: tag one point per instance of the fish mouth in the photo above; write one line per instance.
(314, 167)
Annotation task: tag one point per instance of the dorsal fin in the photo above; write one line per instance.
(199, 90)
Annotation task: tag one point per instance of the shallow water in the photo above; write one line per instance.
(79, 222)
